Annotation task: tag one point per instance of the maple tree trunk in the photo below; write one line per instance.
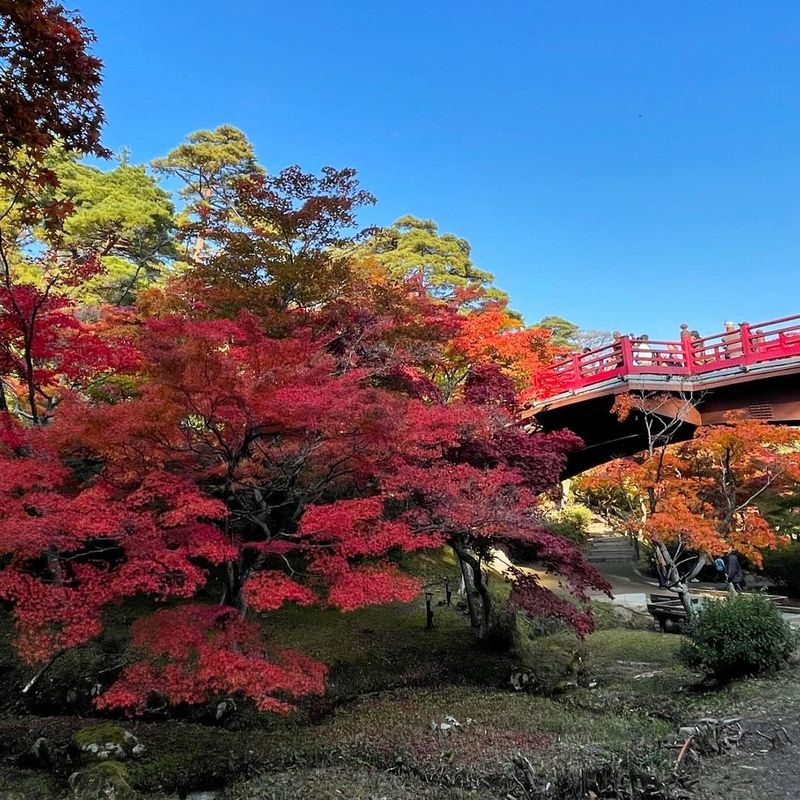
(482, 586)
(232, 594)
(469, 592)
(54, 566)
(476, 586)
(681, 585)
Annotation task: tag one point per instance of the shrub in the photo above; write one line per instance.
(571, 522)
(741, 635)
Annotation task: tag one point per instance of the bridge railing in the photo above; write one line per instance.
(746, 345)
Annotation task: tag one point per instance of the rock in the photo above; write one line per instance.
(106, 742)
(39, 756)
(448, 725)
(203, 795)
(225, 707)
(522, 680)
(622, 614)
(108, 780)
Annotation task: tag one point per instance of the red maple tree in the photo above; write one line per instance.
(280, 419)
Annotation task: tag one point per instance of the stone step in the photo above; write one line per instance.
(610, 540)
(616, 547)
(596, 559)
(612, 545)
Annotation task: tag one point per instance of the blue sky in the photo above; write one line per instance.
(623, 164)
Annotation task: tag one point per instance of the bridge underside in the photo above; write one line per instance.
(774, 398)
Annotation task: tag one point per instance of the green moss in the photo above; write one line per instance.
(181, 757)
(113, 771)
(103, 733)
(107, 779)
(556, 660)
(619, 644)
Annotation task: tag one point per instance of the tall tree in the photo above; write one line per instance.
(563, 333)
(412, 246)
(121, 217)
(286, 248)
(209, 164)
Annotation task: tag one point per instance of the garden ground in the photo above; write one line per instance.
(426, 714)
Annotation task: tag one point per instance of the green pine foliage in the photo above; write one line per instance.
(443, 260)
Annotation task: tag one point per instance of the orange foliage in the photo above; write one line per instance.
(702, 494)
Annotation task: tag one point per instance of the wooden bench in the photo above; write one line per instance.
(666, 608)
(667, 612)
(668, 598)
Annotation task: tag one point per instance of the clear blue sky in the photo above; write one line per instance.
(624, 164)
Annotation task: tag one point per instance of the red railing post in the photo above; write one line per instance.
(747, 350)
(576, 369)
(688, 353)
(627, 353)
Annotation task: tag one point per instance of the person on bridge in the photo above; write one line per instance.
(642, 351)
(589, 366)
(731, 341)
(617, 358)
(673, 357)
(698, 348)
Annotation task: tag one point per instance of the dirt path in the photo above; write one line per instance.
(757, 771)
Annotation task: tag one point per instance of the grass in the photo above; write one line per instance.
(382, 647)
(619, 693)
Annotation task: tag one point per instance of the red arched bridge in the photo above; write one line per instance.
(750, 369)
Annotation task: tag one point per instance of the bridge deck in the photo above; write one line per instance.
(692, 360)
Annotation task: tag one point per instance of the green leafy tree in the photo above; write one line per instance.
(412, 246)
(125, 219)
(563, 333)
(209, 164)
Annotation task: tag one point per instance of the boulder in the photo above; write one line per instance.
(107, 780)
(106, 742)
(39, 756)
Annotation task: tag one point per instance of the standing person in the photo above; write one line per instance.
(617, 359)
(733, 570)
(590, 366)
(731, 341)
(643, 351)
(698, 348)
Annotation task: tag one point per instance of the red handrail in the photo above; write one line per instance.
(746, 345)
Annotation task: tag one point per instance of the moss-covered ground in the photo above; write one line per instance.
(409, 713)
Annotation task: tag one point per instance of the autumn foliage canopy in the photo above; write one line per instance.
(266, 414)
